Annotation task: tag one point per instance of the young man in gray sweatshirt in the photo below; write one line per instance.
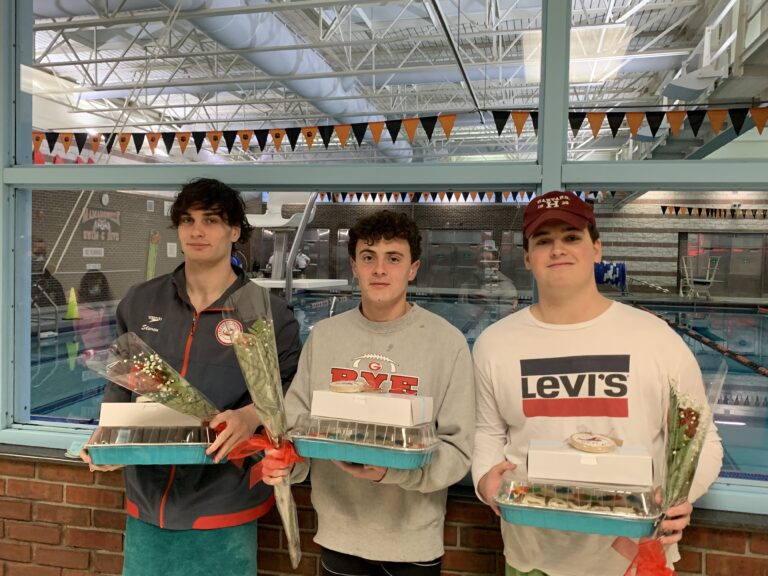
(374, 520)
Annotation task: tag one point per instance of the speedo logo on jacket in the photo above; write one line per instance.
(576, 386)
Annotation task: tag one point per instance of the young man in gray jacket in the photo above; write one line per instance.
(374, 520)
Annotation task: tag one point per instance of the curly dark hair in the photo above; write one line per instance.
(214, 195)
(387, 225)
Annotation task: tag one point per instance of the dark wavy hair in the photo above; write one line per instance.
(387, 225)
(213, 195)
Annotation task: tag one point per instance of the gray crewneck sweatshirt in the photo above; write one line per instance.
(400, 518)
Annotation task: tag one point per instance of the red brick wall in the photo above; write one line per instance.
(58, 519)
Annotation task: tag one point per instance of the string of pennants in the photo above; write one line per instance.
(716, 212)
(506, 197)
(394, 128)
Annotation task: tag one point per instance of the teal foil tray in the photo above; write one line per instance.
(572, 521)
(148, 454)
(400, 458)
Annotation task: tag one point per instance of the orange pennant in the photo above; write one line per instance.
(342, 131)
(183, 139)
(37, 139)
(634, 120)
(676, 119)
(309, 135)
(447, 121)
(152, 139)
(410, 125)
(277, 137)
(66, 140)
(595, 121)
(124, 139)
(759, 116)
(457, 196)
(519, 119)
(716, 119)
(366, 196)
(215, 139)
(506, 195)
(441, 195)
(473, 195)
(376, 129)
(245, 139)
(95, 142)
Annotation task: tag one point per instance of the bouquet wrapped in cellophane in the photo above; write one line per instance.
(256, 352)
(134, 365)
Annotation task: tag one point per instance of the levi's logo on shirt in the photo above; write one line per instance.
(576, 386)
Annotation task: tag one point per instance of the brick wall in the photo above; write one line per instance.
(58, 519)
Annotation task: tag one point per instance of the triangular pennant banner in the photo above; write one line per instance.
(80, 139)
(359, 129)
(95, 142)
(677, 210)
(37, 139)
(634, 120)
(393, 127)
(754, 213)
(675, 119)
(309, 135)
(376, 129)
(689, 209)
(153, 140)
(663, 209)
(410, 125)
(168, 140)
(716, 119)
(698, 211)
(138, 140)
(183, 139)
(58, 159)
(51, 138)
(576, 119)
(595, 120)
(245, 139)
(214, 137)
(654, 121)
(109, 139)
(614, 121)
(198, 137)
(743, 212)
(229, 138)
(262, 135)
(519, 118)
(292, 134)
(500, 118)
(428, 124)
(66, 139)
(759, 117)
(737, 116)
(695, 119)
(325, 133)
(277, 137)
(342, 132)
(447, 121)
(123, 141)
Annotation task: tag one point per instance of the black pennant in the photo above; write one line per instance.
(138, 140)
(733, 212)
(613, 193)
(229, 138)
(261, 137)
(695, 119)
(677, 210)
(699, 212)
(614, 121)
(326, 132)
(80, 139)
(389, 196)
(576, 119)
(743, 212)
(428, 123)
(198, 137)
(689, 210)
(654, 121)
(737, 116)
(168, 138)
(663, 209)
(500, 118)
(765, 213)
(109, 138)
(51, 138)
(754, 212)
(535, 122)
(359, 129)
(393, 127)
(343, 196)
(293, 136)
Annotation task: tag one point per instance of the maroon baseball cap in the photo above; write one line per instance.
(557, 205)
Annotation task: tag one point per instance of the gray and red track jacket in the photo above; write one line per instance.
(198, 496)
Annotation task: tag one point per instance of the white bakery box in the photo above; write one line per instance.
(378, 429)
(572, 490)
(136, 433)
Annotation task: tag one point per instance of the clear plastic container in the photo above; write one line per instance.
(593, 508)
(363, 443)
(150, 445)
